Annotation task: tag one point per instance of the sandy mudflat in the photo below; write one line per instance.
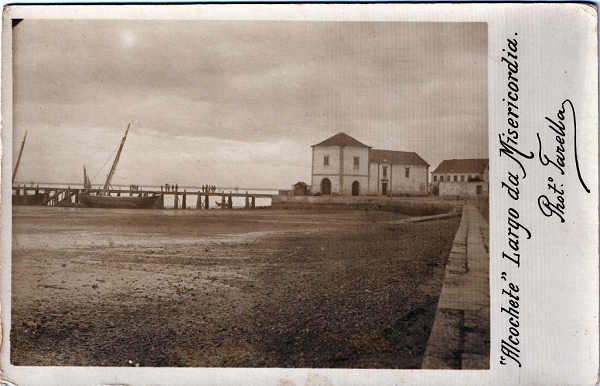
(261, 288)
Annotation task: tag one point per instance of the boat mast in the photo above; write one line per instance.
(116, 161)
(19, 158)
(86, 180)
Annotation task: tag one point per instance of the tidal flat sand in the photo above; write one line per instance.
(224, 288)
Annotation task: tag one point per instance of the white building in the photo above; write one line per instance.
(461, 177)
(343, 165)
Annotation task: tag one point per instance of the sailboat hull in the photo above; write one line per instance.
(116, 202)
(32, 199)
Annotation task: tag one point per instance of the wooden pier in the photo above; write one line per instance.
(69, 197)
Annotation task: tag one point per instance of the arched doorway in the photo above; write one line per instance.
(355, 188)
(325, 186)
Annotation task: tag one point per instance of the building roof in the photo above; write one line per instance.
(391, 156)
(396, 157)
(341, 139)
(472, 165)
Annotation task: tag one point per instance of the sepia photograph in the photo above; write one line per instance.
(250, 194)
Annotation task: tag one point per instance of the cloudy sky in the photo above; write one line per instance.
(239, 103)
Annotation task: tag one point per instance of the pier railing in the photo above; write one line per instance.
(53, 196)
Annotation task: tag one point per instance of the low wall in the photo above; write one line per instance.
(462, 189)
(408, 206)
(460, 336)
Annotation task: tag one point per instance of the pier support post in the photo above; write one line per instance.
(198, 201)
(229, 202)
(223, 202)
(162, 200)
(253, 202)
(206, 202)
(247, 203)
(176, 201)
(184, 200)
(76, 197)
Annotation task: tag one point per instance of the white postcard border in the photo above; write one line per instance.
(559, 277)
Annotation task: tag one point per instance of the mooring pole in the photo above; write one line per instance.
(184, 201)
(229, 202)
(206, 202)
(162, 200)
(176, 201)
(253, 202)
(247, 203)
(223, 201)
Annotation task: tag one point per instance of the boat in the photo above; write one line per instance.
(36, 199)
(105, 201)
(25, 199)
(222, 205)
(102, 198)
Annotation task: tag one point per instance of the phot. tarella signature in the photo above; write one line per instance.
(554, 202)
(557, 126)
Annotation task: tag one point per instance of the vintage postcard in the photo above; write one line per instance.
(300, 194)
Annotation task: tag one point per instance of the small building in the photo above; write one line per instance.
(342, 165)
(461, 177)
(300, 189)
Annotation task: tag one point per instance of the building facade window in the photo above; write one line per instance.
(462, 177)
(434, 178)
(406, 172)
(441, 178)
(326, 160)
(356, 163)
(455, 178)
(384, 171)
